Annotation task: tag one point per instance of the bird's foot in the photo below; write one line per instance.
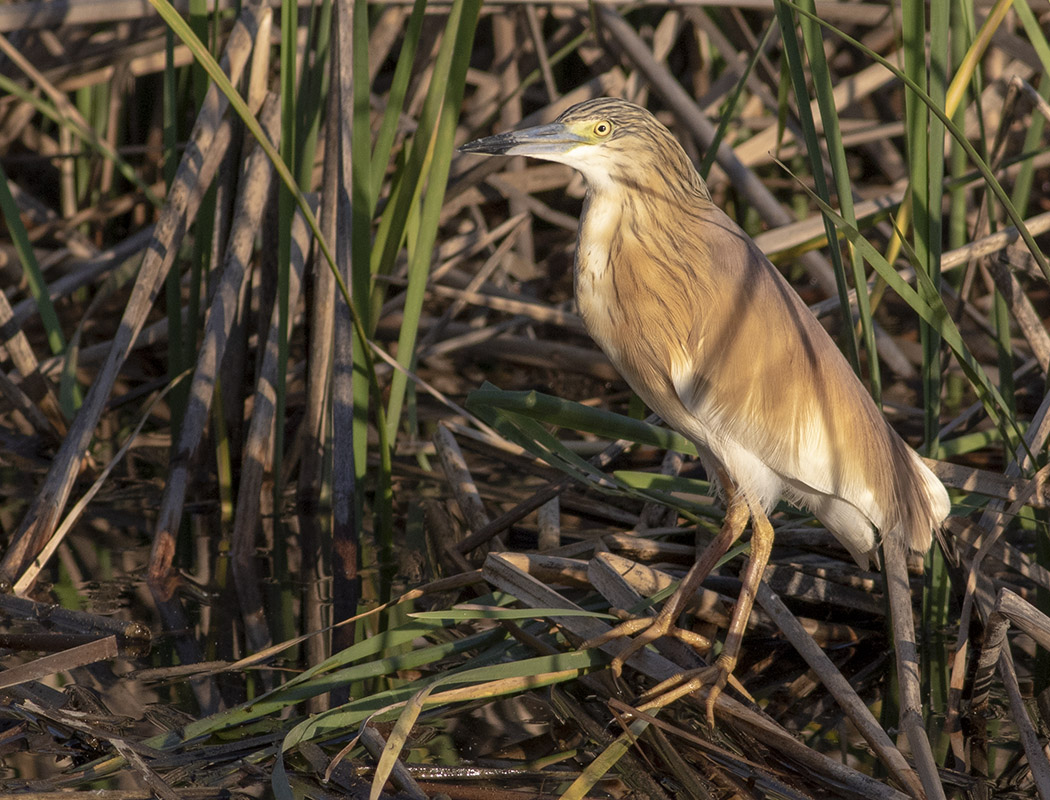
(714, 678)
(649, 629)
(724, 671)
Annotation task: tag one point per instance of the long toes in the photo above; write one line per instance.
(624, 631)
(621, 631)
(676, 685)
(651, 633)
(695, 640)
(649, 629)
(717, 685)
(670, 690)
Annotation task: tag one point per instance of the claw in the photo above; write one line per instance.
(723, 668)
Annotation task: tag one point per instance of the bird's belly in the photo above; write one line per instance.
(762, 486)
(720, 450)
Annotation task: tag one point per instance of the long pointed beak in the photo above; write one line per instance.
(543, 140)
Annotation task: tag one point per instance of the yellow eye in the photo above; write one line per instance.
(603, 128)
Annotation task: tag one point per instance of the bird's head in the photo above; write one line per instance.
(614, 143)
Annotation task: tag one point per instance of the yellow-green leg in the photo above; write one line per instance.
(761, 546)
(715, 677)
(737, 514)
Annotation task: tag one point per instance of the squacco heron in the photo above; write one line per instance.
(711, 336)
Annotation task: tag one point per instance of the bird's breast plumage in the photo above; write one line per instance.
(596, 296)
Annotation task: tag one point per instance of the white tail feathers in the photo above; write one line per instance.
(928, 507)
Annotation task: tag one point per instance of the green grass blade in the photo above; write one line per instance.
(843, 188)
(30, 267)
(396, 99)
(361, 342)
(927, 303)
(177, 351)
(339, 720)
(940, 67)
(605, 761)
(822, 85)
(69, 393)
(361, 248)
(84, 134)
(732, 103)
(1037, 36)
(524, 418)
(310, 97)
(576, 416)
(980, 163)
(445, 113)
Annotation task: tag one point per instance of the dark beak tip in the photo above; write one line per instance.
(484, 147)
